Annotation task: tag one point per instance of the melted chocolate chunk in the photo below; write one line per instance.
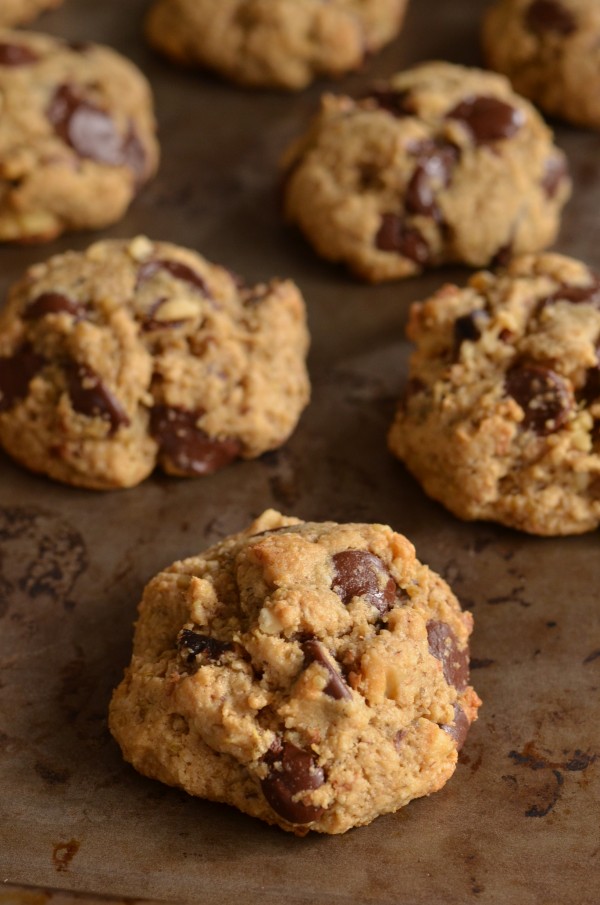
(398, 103)
(467, 328)
(361, 574)
(435, 163)
(590, 392)
(488, 118)
(176, 269)
(134, 154)
(336, 687)
(395, 235)
(188, 448)
(443, 645)
(53, 303)
(291, 772)
(196, 644)
(89, 396)
(577, 295)
(555, 173)
(16, 55)
(91, 131)
(544, 396)
(550, 15)
(503, 255)
(459, 727)
(16, 374)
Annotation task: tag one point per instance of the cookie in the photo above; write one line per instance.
(501, 419)
(16, 12)
(440, 164)
(549, 50)
(77, 136)
(136, 353)
(313, 675)
(273, 43)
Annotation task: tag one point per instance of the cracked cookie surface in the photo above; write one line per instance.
(439, 164)
(77, 136)
(550, 49)
(501, 419)
(278, 43)
(313, 675)
(17, 12)
(137, 353)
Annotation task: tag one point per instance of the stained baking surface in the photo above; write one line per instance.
(517, 824)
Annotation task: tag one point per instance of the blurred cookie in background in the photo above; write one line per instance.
(77, 136)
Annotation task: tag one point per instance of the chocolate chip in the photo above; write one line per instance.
(17, 55)
(16, 373)
(443, 645)
(435, 164)
(336, 687)
(187, 448)
(176, 269)
(91, 397)
(555, 173)
(398, 103)
(395, 235)
(488, 118)
(196, 644)
(577, 295)
(292, 771)
(550, 15)
(467, 327)
(543, 395)
(361, 574)
(53, 303)
(503, 256)
(459, 727)
(134, 154)
(590, 392)
(91, 131)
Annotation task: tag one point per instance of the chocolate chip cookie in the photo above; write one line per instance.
(278, 43)
(501, 419)
(77, 136)
(137, 353)
(16, 12)
(312, 675)
(550, 49)
(440, 164)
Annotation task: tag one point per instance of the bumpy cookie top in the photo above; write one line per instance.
(281, 43)
(77, 135)
(312, 675)
(439, 164)
(502, 416)
(15, 12)
(549, 48)
(139, 351)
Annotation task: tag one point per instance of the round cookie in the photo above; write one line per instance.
(501, 419)
(77, 136)
(550, 49)
(137, 353)
(278, 43)
(16, 12)
(313, 675)
(440, 164)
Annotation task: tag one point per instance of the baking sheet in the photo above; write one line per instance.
(518, 823)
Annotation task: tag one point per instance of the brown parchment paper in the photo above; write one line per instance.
(518, 823)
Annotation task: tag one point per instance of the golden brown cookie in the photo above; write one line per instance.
(550, 50)
(279, 43)
(439, 164)
(312, 675)
(77, 136)
(501, 419)
(137, 353)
